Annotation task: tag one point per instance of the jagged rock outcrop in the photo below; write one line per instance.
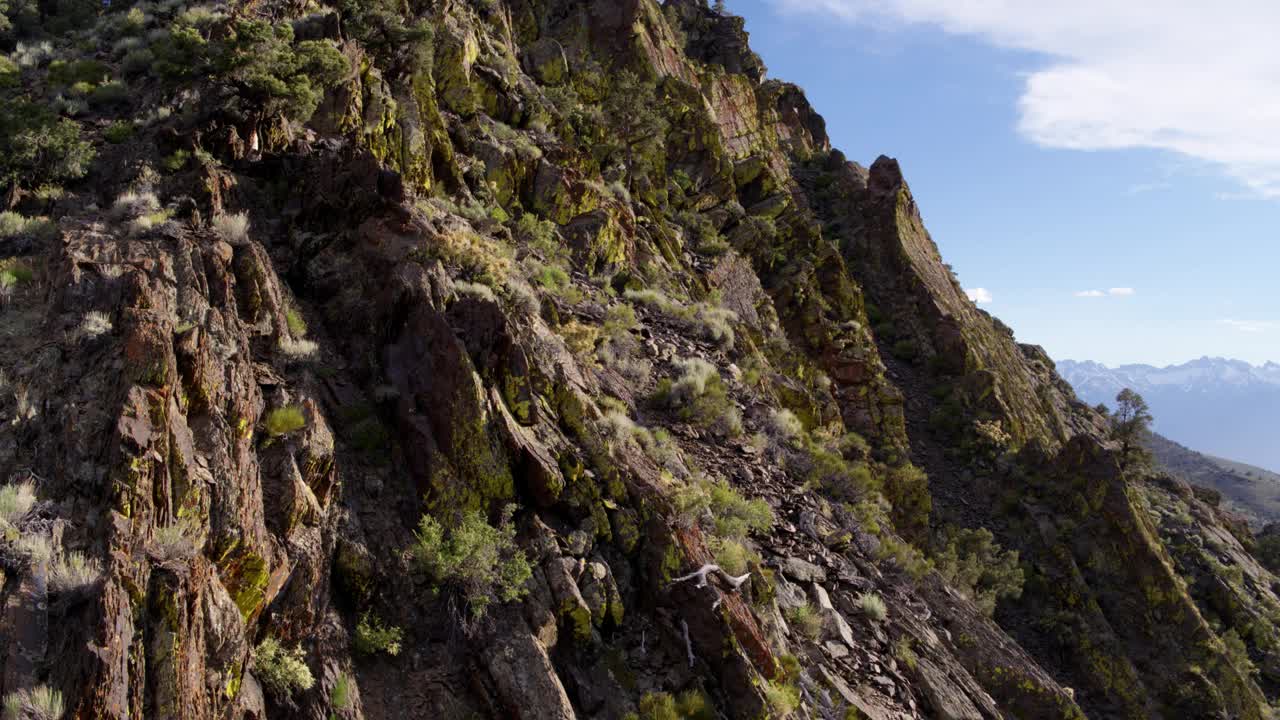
(342, 288)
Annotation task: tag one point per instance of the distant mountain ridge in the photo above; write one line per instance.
(1219, 406)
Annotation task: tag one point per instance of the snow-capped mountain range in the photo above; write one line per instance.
(1206, 375)
(1227, 408)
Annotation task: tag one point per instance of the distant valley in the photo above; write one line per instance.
(1225, 408)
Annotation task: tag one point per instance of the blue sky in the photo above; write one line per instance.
(1112, 213)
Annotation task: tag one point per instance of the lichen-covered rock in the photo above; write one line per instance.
(706, 378)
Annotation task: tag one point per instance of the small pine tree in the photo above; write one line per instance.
(1130, 425)
(639, 128)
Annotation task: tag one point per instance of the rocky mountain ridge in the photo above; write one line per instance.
(538, 359)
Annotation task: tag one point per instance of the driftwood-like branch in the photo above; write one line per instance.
(702, 573)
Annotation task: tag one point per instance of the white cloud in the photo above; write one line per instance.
(981, 296)
(1197, 78)
(1122, 292)
(1091, 293)
(1250, 326)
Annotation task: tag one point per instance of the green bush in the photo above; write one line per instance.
(783, 698)
(14, 225)
(907, 488)
(254, 60)
(16, 500)
(974, 564)
(10, 74)
(1238, 653)
(38, 703)
(805, 620)
(37, 147)
(700, 397)
(281, 670)
(118, 131)
(340, 698)
(690, 705)
(733, 516)
(297, 325)
(905, 653)
(285, 420)
(733, 557)
(73, 571)
(176, 161)
(373, 637)
(479, 560)
(109, 94)
(873, 606)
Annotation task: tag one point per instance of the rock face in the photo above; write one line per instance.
(578, 270)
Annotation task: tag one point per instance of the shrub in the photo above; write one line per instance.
(10, 74)
(733, 557)
(37, 147)
(73, 571)
(256, 61)
(176, 161)
(1238, 653)
(35, 547)
(137, 61)
(49, 193)
(783, 698)
(284, 420)
(479, 291)
(16, 500)
(552, 277)
(733, 516)
(174, 543)
(784, 425)
(118, 131)
(146, 222)
(541, 236)
(134, 203)
(14, 225)
(14, 273)
(905, 556)
(805, 620)
(109, 94)
(974, 564)
(873, 606)
(907, 489)
(297, 325)
(826, 469)
(340, 698)
(481, 561)
(522, 297)
(483, 259)
(373, 637)
(905, 654)
(690, 705)
(281, 670)
(653, 298)
(232, 228)
(298, 349)
(94, 323)
(38, 703)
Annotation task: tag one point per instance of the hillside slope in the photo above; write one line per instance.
(369, 360)
(1250, 491)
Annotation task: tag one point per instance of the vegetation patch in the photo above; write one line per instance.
(281, 670)
(479, 560)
